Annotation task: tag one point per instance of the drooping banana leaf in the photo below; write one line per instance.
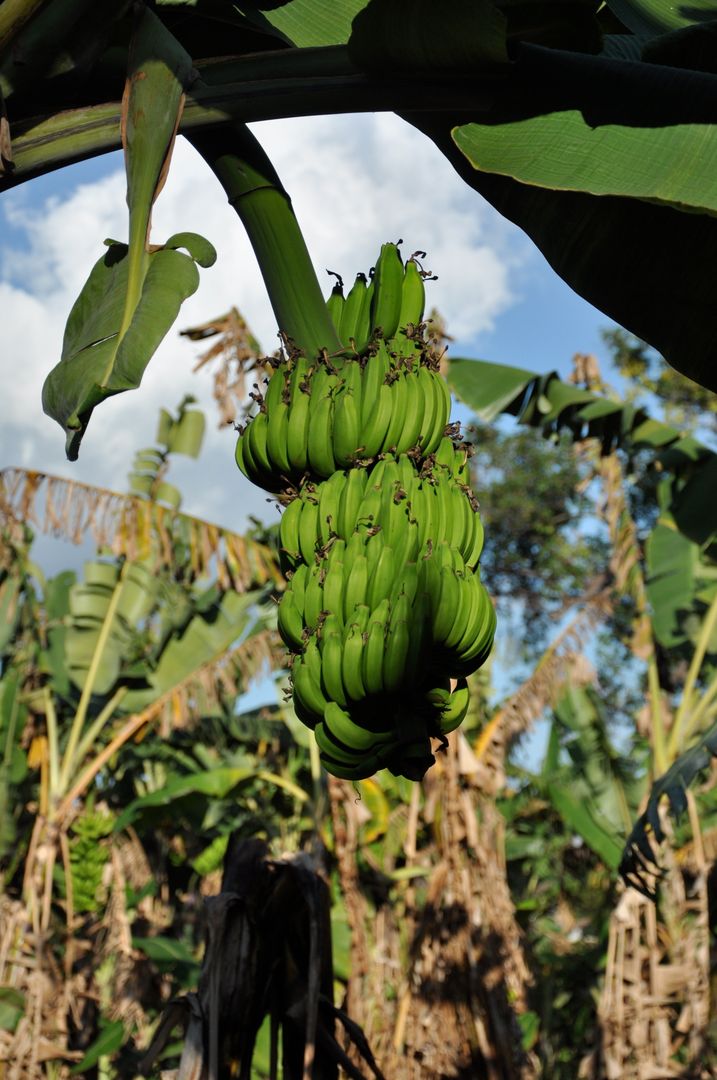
(552, 405)
(639, 863)
(134, 292)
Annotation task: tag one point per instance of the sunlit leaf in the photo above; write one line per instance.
(134, 292)
(305, 22)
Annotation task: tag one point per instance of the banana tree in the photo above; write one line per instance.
(487, 84)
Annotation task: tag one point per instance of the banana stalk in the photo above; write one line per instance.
(256, 193)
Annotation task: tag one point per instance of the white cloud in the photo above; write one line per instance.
(355, 181)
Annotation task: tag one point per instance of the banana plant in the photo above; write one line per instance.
(488, 83)
(679, 564)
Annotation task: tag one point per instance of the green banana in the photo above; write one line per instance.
(289, 543)
(334, 587)
(290, 622)
(454, 711)
(414, 418)
(307, 691)
(356, 585)
(397, 642)
(331, 656)
(413, 295)
(352, 662)
(297, 428)
(387, 290)
(308, 529)
(329, 747)
(335, 303)
(351, 499)
(258, 431)
(313, 596)
(329, 502)
(347, 420)
(320, 446)
(372, 670)
(383, 578)
(445, 604)
(338, 723)
(373, 376)
(440, 415)
(351, 331)
(373, 434)
(297, 585)
(363, 325)
(399, 409)
(277, 433)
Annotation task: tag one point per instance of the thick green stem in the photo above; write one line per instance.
(257, 195)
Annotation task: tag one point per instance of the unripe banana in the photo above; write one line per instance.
(355, 330)
(335, 303)
(387, 290)
(413, 295)
(289, 542)
(290, 623)
(297, 430)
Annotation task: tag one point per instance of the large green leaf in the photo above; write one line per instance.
(99, 357)
(646, 265)
(671, 562)
(674, 165)
(305, 22)
(603, 773)
(134, 291)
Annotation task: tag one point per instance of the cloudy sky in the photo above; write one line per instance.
(355, 181)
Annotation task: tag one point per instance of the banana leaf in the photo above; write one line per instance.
(554, 406)
(134, 292)
(639, 864)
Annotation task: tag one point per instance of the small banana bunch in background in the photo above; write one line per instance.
(380, 539)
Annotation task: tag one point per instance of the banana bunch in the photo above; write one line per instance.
(380, 539)
(384, 395)
(409, 506)
(369, 677)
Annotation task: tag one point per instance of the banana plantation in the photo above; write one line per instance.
(473, 831)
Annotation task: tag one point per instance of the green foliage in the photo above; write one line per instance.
(532, 504)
